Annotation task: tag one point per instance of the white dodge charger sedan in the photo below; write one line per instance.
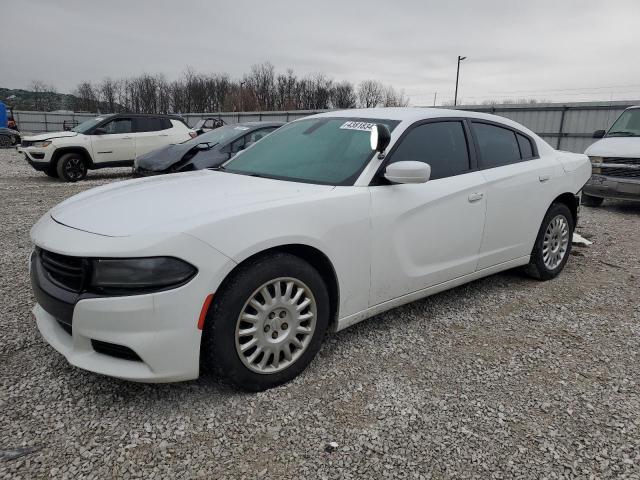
(330, 220)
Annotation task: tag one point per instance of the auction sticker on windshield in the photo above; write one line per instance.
(362, 126)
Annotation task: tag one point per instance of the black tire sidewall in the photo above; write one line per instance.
(61, 171)
(218, 342)
(536, 257)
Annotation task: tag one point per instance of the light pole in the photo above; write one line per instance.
(455, 98)
(241, 100)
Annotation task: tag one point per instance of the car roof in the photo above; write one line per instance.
(144, 115)
(415, 114)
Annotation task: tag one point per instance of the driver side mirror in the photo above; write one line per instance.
(408, 172)
(599, 133)
(99, 131)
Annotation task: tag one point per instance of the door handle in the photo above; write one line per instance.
(163, 135)
(544, 178)
(474, 197)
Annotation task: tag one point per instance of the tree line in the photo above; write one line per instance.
(262, 89)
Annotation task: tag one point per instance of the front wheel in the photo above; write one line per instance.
(553, 243)
(71, 167)
(266, 323)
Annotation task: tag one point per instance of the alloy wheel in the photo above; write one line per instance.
(74, 168)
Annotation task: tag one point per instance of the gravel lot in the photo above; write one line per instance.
(503, 378)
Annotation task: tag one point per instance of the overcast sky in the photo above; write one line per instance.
(559, 50)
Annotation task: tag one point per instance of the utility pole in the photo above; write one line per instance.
(435, 95)
(241, 99)
(455, 98)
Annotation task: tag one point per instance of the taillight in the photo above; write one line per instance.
(193, 134)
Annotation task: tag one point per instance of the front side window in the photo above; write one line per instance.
(627, 124)
(88, 125)
(443, 145)
(119, 125)
(498, 146)
(325, 150)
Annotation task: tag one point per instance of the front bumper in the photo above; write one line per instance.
(613, 187)
(159, 328)
(38, 158)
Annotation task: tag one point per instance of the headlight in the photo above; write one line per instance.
(596, 160)
(137, 275)
(41, 144)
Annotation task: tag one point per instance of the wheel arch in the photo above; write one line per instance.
(314, 257)
(64, 150)
(572, 203)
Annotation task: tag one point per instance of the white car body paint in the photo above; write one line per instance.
(388, 244)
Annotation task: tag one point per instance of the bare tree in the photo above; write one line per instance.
(45, 95)
(87, 98)
(394, 98)
(370, 93)
(108, 90)
(343, 95)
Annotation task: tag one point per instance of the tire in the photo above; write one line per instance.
(591, 201)
(222, 343)
(51, 172)
(550, 252)
(71, 167)
(5, 141)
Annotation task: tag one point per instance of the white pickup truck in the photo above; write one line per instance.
(102, 142)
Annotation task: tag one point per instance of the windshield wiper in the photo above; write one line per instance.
(622, 133)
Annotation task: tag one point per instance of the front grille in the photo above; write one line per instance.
(621, 172)
(65, 271)
(114, 350)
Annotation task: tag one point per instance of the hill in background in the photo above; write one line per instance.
(47, 101)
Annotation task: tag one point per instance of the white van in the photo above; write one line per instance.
(615, 161)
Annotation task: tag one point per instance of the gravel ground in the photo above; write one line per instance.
(503, 378)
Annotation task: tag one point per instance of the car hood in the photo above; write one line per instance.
(49, 135)
(615, 147)
(173, 203)
(163, 158)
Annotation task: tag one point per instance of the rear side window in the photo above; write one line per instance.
(443, 145)
(526, 150)
(498, 146)
(149, 124)
(165, 123)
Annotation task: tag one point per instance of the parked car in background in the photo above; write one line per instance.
(329, 220)
(105, 141)
(208, 150)
(615, 161)
(9, 137)
(208, 124)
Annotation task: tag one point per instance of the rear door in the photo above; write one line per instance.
(117, 144)
(520, 188)
(429, 233)
(151, 133)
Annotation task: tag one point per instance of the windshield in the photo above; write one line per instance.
(328, 151)
(218, 135)
(627, 124)
(84, 127)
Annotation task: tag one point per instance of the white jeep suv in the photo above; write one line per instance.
(105, 141)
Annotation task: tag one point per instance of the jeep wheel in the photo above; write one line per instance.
(51, 172)
(71, 167)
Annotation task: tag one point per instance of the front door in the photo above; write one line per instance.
(116, 144)
(429, 233)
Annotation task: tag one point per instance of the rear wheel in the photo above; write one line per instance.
(71, 167)
(591, 201)
(553, 243)
(266, 323)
